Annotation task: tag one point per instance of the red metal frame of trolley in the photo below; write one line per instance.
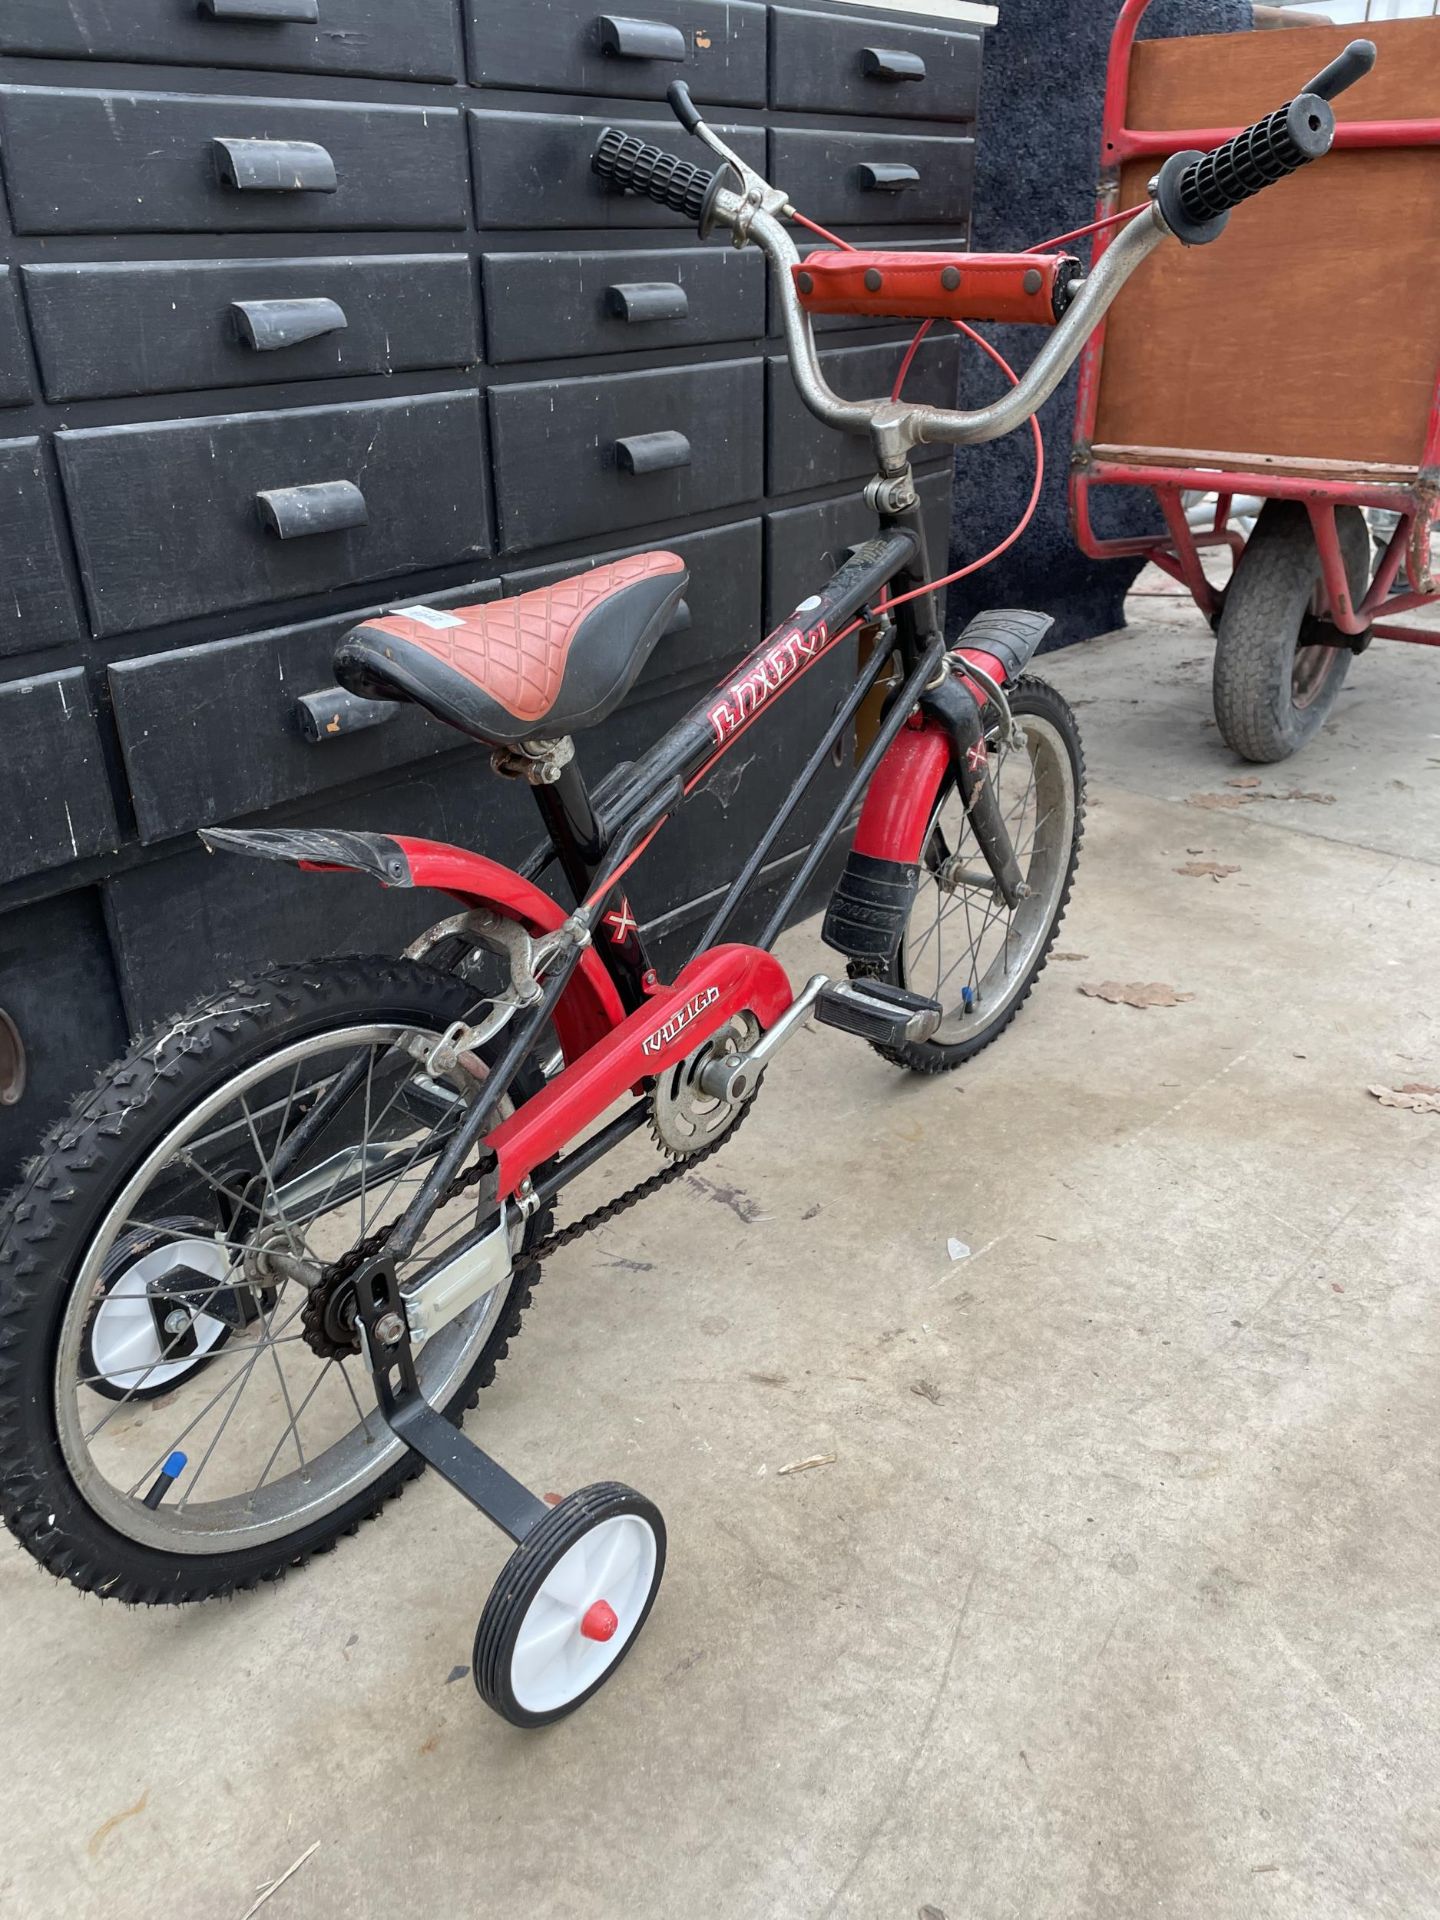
(1416, 501)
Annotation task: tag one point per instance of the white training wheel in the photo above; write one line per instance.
(569, 1604)
(149, 1331)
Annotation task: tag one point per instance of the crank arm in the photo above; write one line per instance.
(954, 706)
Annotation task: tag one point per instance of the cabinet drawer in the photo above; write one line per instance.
(821, 64)
(55, 955)
(57, 795)
(545, 306)
(804, 452)
(83, 162)
(533, 170)
(716, 623)
(805, 545)
(197, 515)
(171, 327)
(35, 607)
(416, 41)
(875, 179)
(717, 47)
(851, 323)
(14, 367)
(213, 732)
(592, 456)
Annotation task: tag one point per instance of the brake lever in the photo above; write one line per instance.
(756, 192)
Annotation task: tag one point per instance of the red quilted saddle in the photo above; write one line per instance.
(539, 665)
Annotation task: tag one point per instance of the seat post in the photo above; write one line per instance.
(573, 825)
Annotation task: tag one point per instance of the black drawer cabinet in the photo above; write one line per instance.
(874, 179)
(547, 306)
(57, 796)
(35, 606)
(14, 372)
(717, 47)
(78, 161)
(803, 452)
(314, 308)
(533, 170)
(820, 65)
(633, 448)
(164, 328)
(418, 40)
(193, 516)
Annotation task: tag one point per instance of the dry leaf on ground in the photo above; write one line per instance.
(1244, 780)
(927, 1390)
(1219, 802)
(1413, 1097)
(1320, 799)
(814, 1460)
(1069, 956)
(1200, 869)
(1135, 993)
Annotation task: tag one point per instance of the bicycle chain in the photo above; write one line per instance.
(376, 1242)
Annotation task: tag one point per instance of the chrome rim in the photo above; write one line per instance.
(274, 1436)
(963, 946)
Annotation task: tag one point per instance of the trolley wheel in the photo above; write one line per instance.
(1279, 663)
(569, 1604)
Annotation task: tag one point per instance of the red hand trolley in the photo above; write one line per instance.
(1297, 363)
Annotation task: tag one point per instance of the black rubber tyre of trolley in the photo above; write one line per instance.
(531, 1665)
(1279, 664)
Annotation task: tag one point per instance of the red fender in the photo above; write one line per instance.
(903, 795)
(591, 1006)
(711, 990)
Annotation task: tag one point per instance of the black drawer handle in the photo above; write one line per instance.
(268, 325)
(652, 452)
(640, 39)
(332, 713)
(329, 506)
(643, 300)
(305, 12)
(875, 178)
(885, 63)
(680, 620)
(275, 166)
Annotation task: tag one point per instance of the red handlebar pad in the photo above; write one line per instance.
(1023, 287)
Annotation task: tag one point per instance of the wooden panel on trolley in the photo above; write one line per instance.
(1308, 329)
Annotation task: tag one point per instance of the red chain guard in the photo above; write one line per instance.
(672, 1024)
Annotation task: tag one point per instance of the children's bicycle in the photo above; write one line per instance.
(256, 1278)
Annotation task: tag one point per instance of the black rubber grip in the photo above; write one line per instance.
(635, 167)
(1255, 159)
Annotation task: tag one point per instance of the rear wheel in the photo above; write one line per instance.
(1279, 663)
(963, 946)
(184, 1408)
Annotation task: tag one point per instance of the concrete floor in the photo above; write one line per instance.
(1118, 1600)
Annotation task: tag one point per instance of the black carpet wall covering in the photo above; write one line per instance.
(1037, 165)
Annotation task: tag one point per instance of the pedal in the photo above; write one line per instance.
(885, 1015)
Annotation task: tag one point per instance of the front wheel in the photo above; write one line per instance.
(184, 1408)
(963, 946)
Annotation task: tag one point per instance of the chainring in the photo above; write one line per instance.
(683, 1117)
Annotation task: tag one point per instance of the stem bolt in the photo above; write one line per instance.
(177, 1320)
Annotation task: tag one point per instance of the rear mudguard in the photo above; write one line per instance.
(873, 898)
(590, 1007)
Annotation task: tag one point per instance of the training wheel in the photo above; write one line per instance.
(569, 1604)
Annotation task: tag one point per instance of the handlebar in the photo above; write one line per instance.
(1196, 192)
(1192, 199)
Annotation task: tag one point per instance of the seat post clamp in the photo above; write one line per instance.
(541, 762)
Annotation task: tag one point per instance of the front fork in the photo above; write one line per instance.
(952, 706)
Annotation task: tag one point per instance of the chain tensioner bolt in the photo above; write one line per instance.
(390, 1329)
